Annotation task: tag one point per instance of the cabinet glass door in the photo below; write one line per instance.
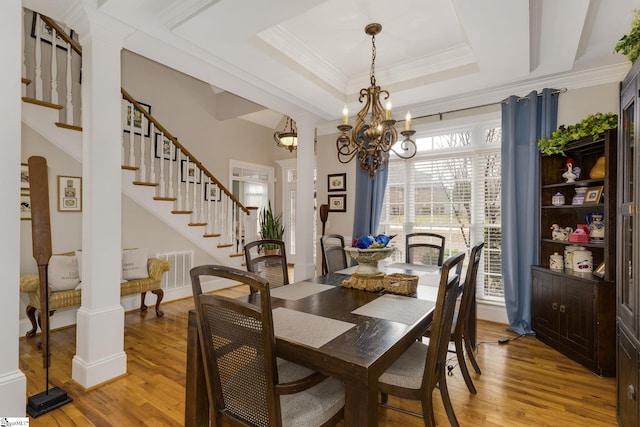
(626, 199)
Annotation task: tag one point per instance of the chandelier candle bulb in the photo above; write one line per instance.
(407, 121)
(345, 115)
(388, 116)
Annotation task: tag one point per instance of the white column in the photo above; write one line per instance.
(305, 267)
(100, 352)
(13, 385)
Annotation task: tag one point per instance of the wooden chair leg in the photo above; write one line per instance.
(31, 314)
(470, 353)
(159, 294)
(463, 365)
(446, 400)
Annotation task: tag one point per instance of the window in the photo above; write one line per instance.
(451, 187)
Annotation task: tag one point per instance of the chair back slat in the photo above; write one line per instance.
(268, 259)
(424, 248)
(468, 290)
(442, 321)
(238, 345)
(335, 258)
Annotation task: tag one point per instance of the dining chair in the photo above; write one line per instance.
(424, 248)
(334, 257)
(415, 374)
(462, 320)
(246, 381)
(268, 259)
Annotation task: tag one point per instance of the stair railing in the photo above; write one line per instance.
(57, 37)
(161, 161)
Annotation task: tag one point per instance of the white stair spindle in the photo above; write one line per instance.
(152, 162)
(69, 106)
(54, 67)
(171, 167)
(159, 140)
(38, 54)
(208, 198)
(201, 214)
(194, 203)
(185, 174)
(132, 135)
(142, 171)
(178, 183)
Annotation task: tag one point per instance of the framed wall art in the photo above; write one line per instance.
(337, 202)
(38, 26)
(164, 148)
(593, 195)
(191, 174)
(24, 177)
(25, 206)
(69, 193)
(212, 192)
(137, 118)
(337, 182)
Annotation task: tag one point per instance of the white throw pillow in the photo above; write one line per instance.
(134, 264)
(79, 258)
(63, 272)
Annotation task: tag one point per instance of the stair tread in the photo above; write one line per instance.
(165, 199)
(235, 255)
(212, 235)
(70, 127)
(181, 212)
(42, 103)
(148, 184)
(26, 81)
(129, 168)
(225, 245)
(197, 224)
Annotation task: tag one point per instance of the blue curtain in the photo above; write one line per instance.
(524, 122)
(368, 204)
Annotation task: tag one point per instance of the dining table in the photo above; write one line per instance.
(349, 334)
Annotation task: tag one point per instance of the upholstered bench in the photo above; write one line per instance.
(58, 299)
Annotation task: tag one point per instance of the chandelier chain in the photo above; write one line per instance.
(372, 74)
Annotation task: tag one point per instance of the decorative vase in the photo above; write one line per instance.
(583, 261)
(596, 227)
(598, 171)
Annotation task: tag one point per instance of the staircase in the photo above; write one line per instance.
(158, 172)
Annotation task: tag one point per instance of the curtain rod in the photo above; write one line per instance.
(506, 100)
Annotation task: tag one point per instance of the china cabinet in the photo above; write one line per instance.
(573, 308)
(627, 295)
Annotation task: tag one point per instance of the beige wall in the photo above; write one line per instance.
(573, 106)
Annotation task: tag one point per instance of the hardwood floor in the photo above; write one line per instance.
(523, 382)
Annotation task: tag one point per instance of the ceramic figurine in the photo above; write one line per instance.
(596, 227)
(557, 199)
(570, 175)
(561, 234)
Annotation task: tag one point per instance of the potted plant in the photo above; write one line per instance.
(593, 125)
(270, 226)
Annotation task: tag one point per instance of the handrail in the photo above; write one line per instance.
(175, 142)
(61, 33)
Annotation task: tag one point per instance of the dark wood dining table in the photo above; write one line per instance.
(357, 356)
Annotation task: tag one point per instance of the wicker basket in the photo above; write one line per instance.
(401, 284)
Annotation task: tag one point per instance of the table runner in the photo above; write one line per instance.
(396, 308)
(308, 329)
(299, 290)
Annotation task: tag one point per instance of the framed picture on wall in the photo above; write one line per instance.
(69, 193)
(212, 192)
(137, 118)
(337, 202)
(25, 206)
(190, 173)
(337, 182)
(164, 148)
(38, 26)
(24, 177)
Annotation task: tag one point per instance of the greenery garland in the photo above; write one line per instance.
(629, 44)
(593, 125)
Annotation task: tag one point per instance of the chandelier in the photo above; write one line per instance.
(288, 137)
(372, 141)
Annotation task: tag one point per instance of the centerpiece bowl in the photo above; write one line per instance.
(368, 258)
